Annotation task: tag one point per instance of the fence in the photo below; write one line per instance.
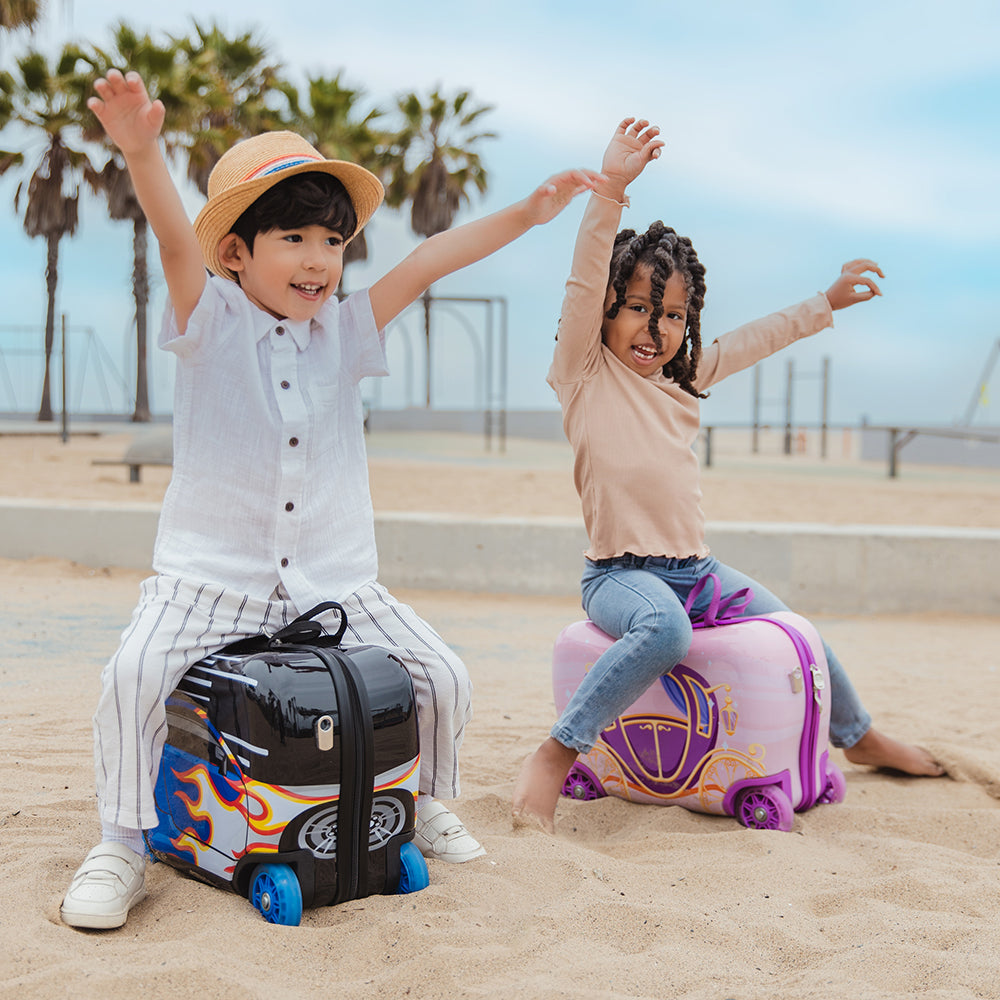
(84, 377)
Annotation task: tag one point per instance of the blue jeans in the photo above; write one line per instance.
(640, 602)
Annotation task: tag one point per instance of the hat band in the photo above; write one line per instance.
(279, 164)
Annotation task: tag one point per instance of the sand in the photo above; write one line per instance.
(891, 893)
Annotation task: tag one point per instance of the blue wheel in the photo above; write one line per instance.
(412, 870)
(276, 892)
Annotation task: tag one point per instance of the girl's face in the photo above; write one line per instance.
(627, 336)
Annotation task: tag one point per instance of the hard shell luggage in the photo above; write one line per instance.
(739, 728)
(290, 772)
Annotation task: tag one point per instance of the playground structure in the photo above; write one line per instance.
(824, 407)
(483, 322)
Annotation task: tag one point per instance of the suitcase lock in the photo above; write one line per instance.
(324, 732)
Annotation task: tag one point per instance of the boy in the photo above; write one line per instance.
(268, 511)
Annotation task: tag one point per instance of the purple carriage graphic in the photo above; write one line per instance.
(750, 743)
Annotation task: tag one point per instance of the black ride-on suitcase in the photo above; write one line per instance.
(290, 772)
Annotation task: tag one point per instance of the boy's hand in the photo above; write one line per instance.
(853, 285)
(632, 146)
(131, 120)
(550, 198)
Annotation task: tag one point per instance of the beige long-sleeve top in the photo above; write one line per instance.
(635, 468)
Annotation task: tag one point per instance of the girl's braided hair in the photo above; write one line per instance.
(664, 253)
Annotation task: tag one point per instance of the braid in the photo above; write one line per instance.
(664, 253)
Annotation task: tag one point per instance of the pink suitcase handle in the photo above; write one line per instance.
(720, 608)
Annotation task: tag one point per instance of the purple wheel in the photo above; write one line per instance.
(582, 784)
(836, 786)
(765, 808)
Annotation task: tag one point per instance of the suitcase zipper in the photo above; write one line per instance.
(813, 684)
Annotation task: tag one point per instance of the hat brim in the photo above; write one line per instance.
(219, 215)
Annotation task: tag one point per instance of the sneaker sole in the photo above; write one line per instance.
(99, 921)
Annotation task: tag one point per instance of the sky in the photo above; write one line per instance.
(798, 136)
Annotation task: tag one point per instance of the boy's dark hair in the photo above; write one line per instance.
(664, 253)
(311, 199)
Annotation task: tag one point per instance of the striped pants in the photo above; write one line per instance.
(178, 622)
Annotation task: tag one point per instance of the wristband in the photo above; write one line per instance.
(620, 204)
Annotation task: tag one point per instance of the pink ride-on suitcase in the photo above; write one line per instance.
(739, 728)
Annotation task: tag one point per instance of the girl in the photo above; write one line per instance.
(629, 370)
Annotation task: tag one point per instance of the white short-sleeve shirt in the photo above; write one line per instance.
(270, 477)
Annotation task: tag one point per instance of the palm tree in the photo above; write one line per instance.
(235, 92)
(437, 167)
(167, 77)
(16, 14)
(207, 83)
(329, 119)
(39, 100)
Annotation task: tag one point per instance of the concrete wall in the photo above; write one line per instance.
(818, 569)
(545, 425)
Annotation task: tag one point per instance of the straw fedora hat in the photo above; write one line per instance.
(249, 168)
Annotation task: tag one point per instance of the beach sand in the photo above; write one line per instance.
(892, 893)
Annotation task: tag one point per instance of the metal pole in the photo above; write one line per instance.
(503, 375)
(488, 378)
(65, 414)
(788, 408)
(427, 338)
(824, 407)
(755, 438)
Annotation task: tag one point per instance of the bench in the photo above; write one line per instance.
(152, 447)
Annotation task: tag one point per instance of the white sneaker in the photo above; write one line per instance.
(440, 834)
(106, 886)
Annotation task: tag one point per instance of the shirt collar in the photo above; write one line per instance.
(265, 324)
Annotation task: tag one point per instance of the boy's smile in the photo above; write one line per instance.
(291, 272)
(627, 336)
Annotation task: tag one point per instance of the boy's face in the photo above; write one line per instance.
(291, 272)
(627, 336)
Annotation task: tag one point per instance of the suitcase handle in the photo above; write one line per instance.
(719, 608)
(305, 629)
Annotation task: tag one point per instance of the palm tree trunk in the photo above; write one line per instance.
(51, 280)
(140, 292)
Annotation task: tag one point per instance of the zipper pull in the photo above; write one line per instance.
(795, 679)
(819, 684)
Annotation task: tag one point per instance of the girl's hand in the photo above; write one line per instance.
(131, 120)
(550, 198)
(853, 285)
(632, 146)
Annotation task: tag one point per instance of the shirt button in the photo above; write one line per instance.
(285, 383)
(293, 442)
(279, 330)
(284, 563)
(289, 505)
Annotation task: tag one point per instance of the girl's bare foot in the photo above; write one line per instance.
(878, 750)
(537, 789)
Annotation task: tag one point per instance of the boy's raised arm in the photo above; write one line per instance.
(454, 249)
(133, 122)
